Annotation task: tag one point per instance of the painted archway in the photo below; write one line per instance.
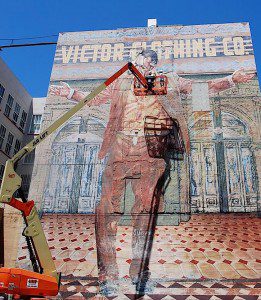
(222, 180)
(74, 179)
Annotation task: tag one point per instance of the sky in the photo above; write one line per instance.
(33, 18)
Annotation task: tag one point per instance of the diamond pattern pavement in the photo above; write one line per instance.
(212, 255)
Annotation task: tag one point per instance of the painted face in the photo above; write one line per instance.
(145, 63)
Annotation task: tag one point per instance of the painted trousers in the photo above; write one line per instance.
(128, 161)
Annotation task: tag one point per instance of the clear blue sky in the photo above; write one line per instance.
(29, 18)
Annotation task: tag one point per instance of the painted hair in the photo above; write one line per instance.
(152, 54)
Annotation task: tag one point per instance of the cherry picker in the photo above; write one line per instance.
(44, 280)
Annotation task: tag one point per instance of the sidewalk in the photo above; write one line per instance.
(212, 254)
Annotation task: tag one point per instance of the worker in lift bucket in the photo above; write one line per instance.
(128, 161)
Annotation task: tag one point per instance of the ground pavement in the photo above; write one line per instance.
(212, 256)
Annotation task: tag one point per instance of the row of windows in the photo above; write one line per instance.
(2, 168)
(16, 109)
(26, 180)
(16, 112)
(36, 124)
(29, 158)
(9, 144)
(2, 91)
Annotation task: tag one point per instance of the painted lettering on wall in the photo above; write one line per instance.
(166, 49)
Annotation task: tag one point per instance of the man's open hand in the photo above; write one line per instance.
(240, 76)
(62, 90)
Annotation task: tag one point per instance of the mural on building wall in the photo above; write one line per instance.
(103, 162)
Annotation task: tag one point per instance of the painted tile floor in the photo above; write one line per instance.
(212, 255)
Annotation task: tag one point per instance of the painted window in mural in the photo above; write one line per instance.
(240, 164)
(76, 157)
(239, 168)
(233, 127)
(90, 187)
(248, 170)
(194, 172)
(209, 160)
(233, 170)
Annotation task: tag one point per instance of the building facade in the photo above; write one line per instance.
(20, 117)
(15, 107)
(20, 120)
(35, 121)
(224, 137)
(213, 85)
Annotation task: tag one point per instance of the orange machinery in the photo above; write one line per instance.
(44, 280)
(156, 85)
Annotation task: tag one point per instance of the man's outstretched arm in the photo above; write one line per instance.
(219, 84)
(64, 90)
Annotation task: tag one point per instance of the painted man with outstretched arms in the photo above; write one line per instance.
(128, 159)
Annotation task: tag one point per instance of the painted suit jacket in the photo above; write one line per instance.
(118, 91)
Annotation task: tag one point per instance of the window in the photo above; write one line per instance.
(36, 124)
(2, 135)
(9, 143)
(2, 91)
(9, 105)
(16, 112)
(23, 119)
(29, 158)
(17, 146)
(2, 168)
(26, 180)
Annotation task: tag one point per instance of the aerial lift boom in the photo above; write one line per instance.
(45, 279)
